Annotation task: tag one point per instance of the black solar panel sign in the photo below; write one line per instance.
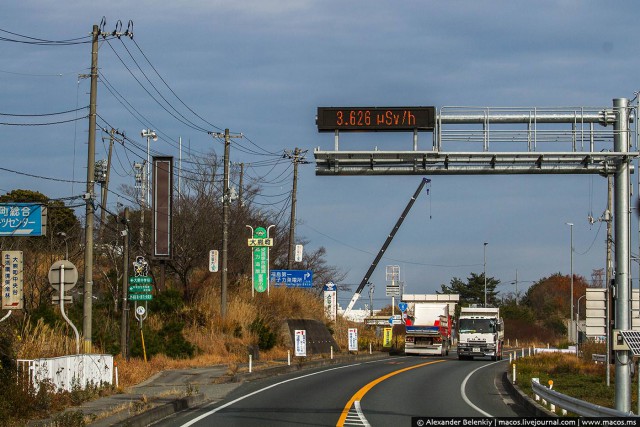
(632, 339)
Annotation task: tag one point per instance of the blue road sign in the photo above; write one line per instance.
(21, 219)
(402, 306)
(292, 278)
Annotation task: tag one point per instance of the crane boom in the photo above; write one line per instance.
(384, 247)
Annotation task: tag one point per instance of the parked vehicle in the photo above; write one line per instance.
(480, 333)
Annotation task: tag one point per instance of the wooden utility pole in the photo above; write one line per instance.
(89, 196)
(105, 187)
(296, 157)
(124, 325)
(241, 185)
(225, 220)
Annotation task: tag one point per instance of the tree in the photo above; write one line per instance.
(550, 295)
(473, 291)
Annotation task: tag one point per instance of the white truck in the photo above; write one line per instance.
(480, 333)
(428, 329)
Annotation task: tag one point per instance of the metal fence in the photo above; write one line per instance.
(68, 372)
(571, 404)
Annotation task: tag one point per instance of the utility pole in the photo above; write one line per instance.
(297, 157)
(240, 185)
(88, 234)
(105, 187)
(124, 324)
(623, 358)
(225, 220)
(609, 273)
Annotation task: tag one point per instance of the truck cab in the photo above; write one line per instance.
(481, 333)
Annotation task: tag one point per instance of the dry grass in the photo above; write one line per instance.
(219, 341)
(41, 340)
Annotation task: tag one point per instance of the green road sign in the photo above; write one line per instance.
(140, 297)
(140, 288)
(260, 262)
(260, 268)
(140, 280)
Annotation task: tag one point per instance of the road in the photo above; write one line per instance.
(377, 393)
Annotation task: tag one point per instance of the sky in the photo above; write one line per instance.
(261, 68)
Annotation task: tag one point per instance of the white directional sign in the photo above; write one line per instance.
(213, 261)
(12, 280)
(330, 300)
(301, 342)
(353, 339)
(596, 313)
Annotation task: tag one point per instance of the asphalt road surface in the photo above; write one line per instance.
(386, 392)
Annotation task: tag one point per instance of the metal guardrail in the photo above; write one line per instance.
(577, 406)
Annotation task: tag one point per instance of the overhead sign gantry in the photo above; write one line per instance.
(475, 140)
(560, 140)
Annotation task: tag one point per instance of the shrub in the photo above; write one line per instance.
(175, 345)
(266, 337)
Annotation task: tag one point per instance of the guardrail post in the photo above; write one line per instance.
(536, 380)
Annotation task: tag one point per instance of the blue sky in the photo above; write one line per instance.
(263, 67)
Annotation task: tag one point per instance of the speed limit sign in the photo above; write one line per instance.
(140, 310)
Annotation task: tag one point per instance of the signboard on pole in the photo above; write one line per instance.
(23, 219)
(353, 339)
(213, 261)
(301, 342)
(596, 315)
(330, 300)
(260, 268)
(260, 263)
(292, 278)
(12, 280)
(70, 275)
(298, 254)
(386, 337)
(162, 207)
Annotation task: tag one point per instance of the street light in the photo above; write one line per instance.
(570, 224)
(485, 272)
(149, 134)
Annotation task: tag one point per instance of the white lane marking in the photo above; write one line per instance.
(213, 411)
(364, 421)
(464, 384)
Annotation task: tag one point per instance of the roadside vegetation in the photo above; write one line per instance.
(575, 376)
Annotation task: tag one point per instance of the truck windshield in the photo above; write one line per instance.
(470, 326)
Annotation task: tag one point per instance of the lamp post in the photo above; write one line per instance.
(149, 134)
(484, 272)
(570, 224)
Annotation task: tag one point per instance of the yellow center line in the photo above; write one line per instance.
(364, 390)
